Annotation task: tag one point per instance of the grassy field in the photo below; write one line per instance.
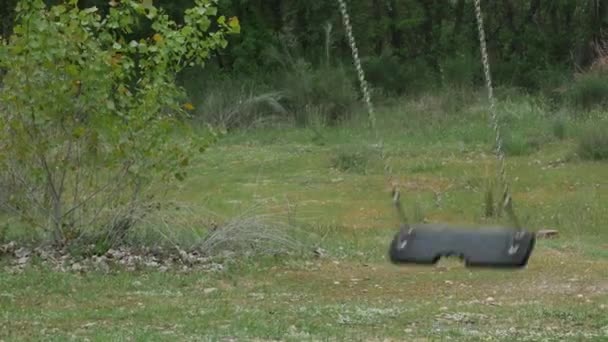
(329, 184)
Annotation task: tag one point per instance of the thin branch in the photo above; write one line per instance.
(98, 191)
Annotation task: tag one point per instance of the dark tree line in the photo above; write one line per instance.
(528, 39)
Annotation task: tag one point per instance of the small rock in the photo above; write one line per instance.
(103, 266)
(216, 267)
(209, 290)
(23, 260)
(151, 264)
(336, 283)
(8, 248)
(448, 282)
(115, 254)
(22, 253)
(547, 234)
(44, 254)
(77, 267)
(227, 254)
(320, 252)
(490, 299)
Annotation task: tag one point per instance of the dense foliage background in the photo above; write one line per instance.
(532, 42)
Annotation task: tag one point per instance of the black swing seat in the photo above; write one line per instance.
(495, 247)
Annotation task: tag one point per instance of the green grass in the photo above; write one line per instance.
(442, 166)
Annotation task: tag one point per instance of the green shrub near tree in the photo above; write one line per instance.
(90, 118)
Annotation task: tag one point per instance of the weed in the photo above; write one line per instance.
(424, 167)
(593, 143)
(3, 233)
(517, 144)
(351, 160)
(559, 127)
(489, 203)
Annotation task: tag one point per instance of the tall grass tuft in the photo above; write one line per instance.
(593, 142)
(249, 233)
(559, 127)
(235, 103)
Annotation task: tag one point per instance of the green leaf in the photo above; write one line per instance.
(79, 132)
(90, 10)
(148, 4)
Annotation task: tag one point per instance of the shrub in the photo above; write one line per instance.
(593, 143)
(589, 91)
(395, 76)
(91, 117)
(235, 103)
(460, 71)
(326, 91)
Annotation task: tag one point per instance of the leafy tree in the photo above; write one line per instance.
(91, 122)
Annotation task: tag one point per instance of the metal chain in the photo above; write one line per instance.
(370, 109)
(357, 61)
(486, 67)
(507, 200)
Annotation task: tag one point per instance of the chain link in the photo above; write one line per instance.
(507, 200)
(486, 68)
(370, 108)
(357, 61)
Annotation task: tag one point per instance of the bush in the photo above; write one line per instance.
(518, 144)
(326, 92)
(397, 77)
(589, 91)
(593, 143)
(235, 103)
(90, 117)
(460, 71)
